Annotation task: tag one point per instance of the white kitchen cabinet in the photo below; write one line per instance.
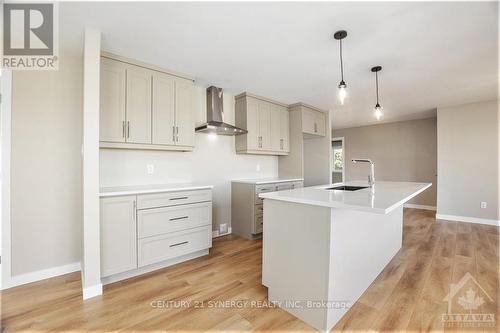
(112, 116)
(247, 210)
(138, 104)
(118, 235)
(163, 109)
(145, 108)
(184, 115)
(313, 122)
(267, 123)
(148, 231)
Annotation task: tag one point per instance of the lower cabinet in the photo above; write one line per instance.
(118, 235)
(145, 229)
(247, 209)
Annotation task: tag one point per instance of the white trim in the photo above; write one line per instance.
(18, 280)
(5, 123)
(215, 233)
(153, 267)
(92, 291)
(468, 219)
(426, 207)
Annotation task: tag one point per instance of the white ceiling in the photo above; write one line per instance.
(433, 54)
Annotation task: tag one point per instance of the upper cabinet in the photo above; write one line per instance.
(145, 108)
(267, 123)
(313, 121)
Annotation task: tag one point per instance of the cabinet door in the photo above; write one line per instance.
(308, 121)
(320, 123)
(284, 130)
(138, 105)
(264, 125)
(118, 235)
(184, 113)
(275, 131)
(112, 101)
(163, 109)
(253, 135)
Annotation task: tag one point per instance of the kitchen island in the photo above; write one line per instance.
(322, 248)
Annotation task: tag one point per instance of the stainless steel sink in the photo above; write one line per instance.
(346, 188)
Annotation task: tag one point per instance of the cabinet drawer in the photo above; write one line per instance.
(157, 221)
(259, 223)
(158, 248)
(172, 198)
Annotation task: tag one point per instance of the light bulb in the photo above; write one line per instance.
(342, 93)
(378, 111)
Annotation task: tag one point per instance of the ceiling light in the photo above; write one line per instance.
(378, 109)
(342, 92)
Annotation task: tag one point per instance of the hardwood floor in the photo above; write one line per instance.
(407, 296)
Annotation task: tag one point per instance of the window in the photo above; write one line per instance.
(338, 161)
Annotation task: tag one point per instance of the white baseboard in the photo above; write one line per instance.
(468, 219)
(92, 291)
(419, 206)
(43, 274)
(153, 267)
(215, 233)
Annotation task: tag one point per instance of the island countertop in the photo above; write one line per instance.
(382, 198)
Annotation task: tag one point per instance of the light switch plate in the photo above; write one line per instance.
(151, 169)
(484, 204)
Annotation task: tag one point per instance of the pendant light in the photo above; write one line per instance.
(378, 109)
(342, 92)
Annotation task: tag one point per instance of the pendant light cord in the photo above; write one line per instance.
(376, 83)
(341, 64)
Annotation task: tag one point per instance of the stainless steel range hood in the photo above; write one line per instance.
(215, 115)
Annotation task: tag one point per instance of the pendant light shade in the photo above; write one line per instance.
(342, 88)
(378, 110)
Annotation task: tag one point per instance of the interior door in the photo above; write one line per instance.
(112, 101)
(285, 129)
(163, 109)
(138, 105)
(184, 113)
(275, 131)
(265, 125)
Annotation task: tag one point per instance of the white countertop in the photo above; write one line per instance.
(386, 196)
(145, 189)
(260, 181)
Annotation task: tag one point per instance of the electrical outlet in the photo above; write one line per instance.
(223, 229)
(257, 167)
(484, 204)
(151, 169)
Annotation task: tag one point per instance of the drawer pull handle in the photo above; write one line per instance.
(179, 198)
(178, 218)
(181, 243)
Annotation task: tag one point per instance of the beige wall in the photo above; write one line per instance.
(468, 160)
(402, 151)
(46, 166)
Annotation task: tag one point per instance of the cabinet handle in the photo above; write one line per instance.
(281, 144)
(128, 129)
(181, 243)
(178, 218)
(123, 129)
(173, 133)
(179, 198)
(176, 133)
(315, 127)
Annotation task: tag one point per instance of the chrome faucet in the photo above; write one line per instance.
(371, 176)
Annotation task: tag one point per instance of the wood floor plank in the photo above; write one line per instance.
(406, 296)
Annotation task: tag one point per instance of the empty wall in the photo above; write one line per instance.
(402, 151)
(468, 160)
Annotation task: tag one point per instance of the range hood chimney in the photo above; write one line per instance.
(215, 115)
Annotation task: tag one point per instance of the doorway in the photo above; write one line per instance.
(338, 155)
